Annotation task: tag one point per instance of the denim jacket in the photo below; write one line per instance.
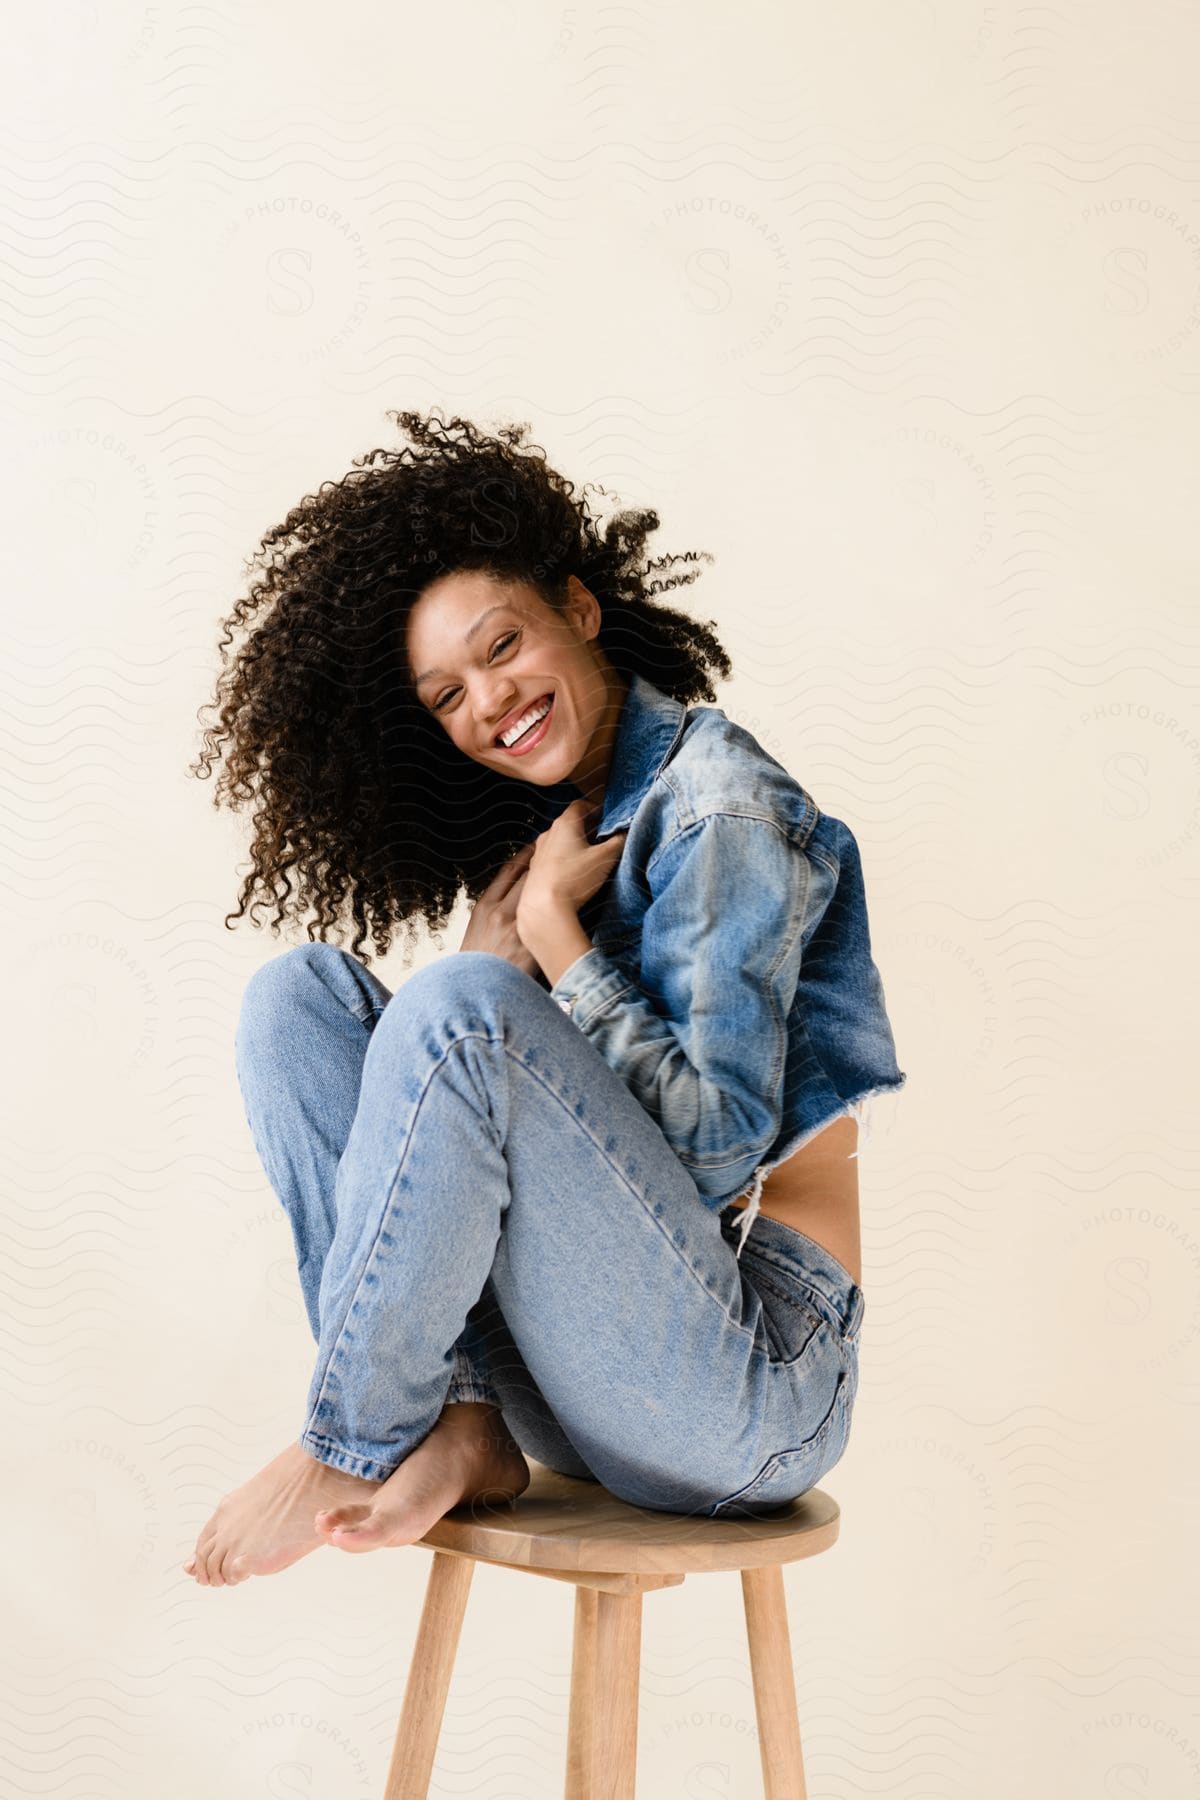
(730, 982)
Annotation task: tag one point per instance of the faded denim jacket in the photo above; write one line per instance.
(730, 984)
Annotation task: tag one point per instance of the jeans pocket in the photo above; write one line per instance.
(792, 1323)
(790, 1473)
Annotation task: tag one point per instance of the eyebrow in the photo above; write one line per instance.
(481, 621)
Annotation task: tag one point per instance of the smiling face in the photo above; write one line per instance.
(483, 654)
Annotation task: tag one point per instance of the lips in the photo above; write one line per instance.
(518, 712)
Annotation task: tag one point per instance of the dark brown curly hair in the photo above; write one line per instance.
(358, 791)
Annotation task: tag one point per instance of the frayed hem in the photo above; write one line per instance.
(751, 1210)
(862, 1111)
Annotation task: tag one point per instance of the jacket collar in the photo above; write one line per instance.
(648, 729)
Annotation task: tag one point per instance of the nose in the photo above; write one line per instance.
(493, 702)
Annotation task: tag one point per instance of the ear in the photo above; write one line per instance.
(585, 607)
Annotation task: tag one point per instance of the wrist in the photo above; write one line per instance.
(554, 937)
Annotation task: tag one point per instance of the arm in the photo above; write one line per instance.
(702, 1043)
(556, 940)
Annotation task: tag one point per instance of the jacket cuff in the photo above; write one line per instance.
(592, 982)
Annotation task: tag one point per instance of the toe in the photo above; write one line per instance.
(197, 1563)
(336, 1518)
(362, 1533)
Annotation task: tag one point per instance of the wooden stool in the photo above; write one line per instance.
(611, 1553)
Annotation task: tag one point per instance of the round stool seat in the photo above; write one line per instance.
(563, 1524)
(567, 1530)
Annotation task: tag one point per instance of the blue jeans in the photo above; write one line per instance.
(482, 1211)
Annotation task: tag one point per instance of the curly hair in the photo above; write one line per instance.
(358, 791)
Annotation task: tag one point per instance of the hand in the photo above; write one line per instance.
(493, 922)
(566, 870)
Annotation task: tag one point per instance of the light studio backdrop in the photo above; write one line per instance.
(895, 309)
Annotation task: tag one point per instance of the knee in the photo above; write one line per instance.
(467, 979)
(277, 987)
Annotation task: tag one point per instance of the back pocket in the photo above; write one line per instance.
(790, 1473)
(791, 1322)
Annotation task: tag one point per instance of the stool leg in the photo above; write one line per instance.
(581, 1729)
(614, 1696)
(429, 1677)
(774, 1684)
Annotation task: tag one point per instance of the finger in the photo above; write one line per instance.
(515, 866)
(506, 906)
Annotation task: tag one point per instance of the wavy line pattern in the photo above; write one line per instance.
(949, 259)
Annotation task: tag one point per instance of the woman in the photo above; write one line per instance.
(516, 1186)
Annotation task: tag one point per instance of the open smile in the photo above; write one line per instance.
(533, 736)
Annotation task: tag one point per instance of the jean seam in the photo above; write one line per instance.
(372, 1462)
(386, 1211)
(809, 1297)
(800, 1303)
(372, 1011)
(745, 1494)
(624, 1179)
(577, 1123)
(788, 1270)
(603, 1005)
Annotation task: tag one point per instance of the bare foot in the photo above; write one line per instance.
(467, 1456)
(267, 1524)
(295, 1504)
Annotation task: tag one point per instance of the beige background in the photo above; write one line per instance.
(896, 309)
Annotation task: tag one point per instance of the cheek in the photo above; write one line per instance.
(463, 738)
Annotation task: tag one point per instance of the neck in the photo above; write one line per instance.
(591, 777)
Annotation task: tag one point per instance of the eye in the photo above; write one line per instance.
(439, 703)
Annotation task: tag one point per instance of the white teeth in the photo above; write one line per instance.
(522, 725)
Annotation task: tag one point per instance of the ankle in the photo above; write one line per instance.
(469, 1412)
(479, 1422)
(477, 1419)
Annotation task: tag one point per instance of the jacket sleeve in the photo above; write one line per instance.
(701, 1039)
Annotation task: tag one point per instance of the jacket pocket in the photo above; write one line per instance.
(790, 1473)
